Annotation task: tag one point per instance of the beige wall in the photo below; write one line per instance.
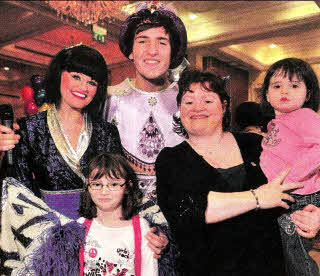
(255, 83)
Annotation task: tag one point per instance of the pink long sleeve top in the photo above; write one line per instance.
(293, 140)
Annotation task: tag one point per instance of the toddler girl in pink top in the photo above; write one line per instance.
(293, 140)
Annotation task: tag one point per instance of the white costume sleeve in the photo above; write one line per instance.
(112, 107)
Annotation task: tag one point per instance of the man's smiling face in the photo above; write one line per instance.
(151, 54)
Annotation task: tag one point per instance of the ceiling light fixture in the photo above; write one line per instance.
(192, 16)
(88, 12)
(271, 46)
(6, 68)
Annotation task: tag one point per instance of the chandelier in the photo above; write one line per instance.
(88, 11)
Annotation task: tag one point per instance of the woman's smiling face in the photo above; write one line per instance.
(201, 111)
(77, 89)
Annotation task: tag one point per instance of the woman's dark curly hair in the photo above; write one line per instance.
(210, 82)
(112, 166)
(81, 59)
(303, 71)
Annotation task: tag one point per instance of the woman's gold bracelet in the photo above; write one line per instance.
(257, 199)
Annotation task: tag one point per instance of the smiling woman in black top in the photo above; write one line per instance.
(211, 189)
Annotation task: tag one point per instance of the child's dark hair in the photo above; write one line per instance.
(215, 85)
(303, 71)
(112, 166)
(81, 59)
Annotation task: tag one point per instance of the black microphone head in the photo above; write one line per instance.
(6, 112)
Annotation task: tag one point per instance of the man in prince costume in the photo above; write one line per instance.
(154, 38)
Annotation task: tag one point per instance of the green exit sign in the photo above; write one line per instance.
(99, 34)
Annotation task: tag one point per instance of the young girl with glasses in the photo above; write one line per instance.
(114, 242)
(108, 239)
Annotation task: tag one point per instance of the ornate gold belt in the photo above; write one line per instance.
(138, 165)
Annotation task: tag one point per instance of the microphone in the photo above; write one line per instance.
(6, 116)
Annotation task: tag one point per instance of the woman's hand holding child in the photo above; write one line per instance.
(274, 194)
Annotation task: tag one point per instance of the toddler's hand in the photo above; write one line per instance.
(307, 221)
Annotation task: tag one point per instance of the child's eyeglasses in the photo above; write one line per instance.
(111, 187)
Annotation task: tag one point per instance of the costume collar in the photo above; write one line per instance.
(69, 154)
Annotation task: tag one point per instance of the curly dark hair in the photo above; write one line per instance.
(303, 71)
(112, 166)
(146, 19)
(215, 84)
(81, 59)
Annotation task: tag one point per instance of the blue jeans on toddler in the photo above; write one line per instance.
(296, 249)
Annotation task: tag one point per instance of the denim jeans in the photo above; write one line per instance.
(296, 248)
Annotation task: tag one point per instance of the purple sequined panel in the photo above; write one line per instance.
(65, 203)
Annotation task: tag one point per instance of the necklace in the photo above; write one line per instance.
(205, 152)
(207, 149)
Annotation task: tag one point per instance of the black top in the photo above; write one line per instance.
(235, 176)
(249, 244)
(36, 154)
